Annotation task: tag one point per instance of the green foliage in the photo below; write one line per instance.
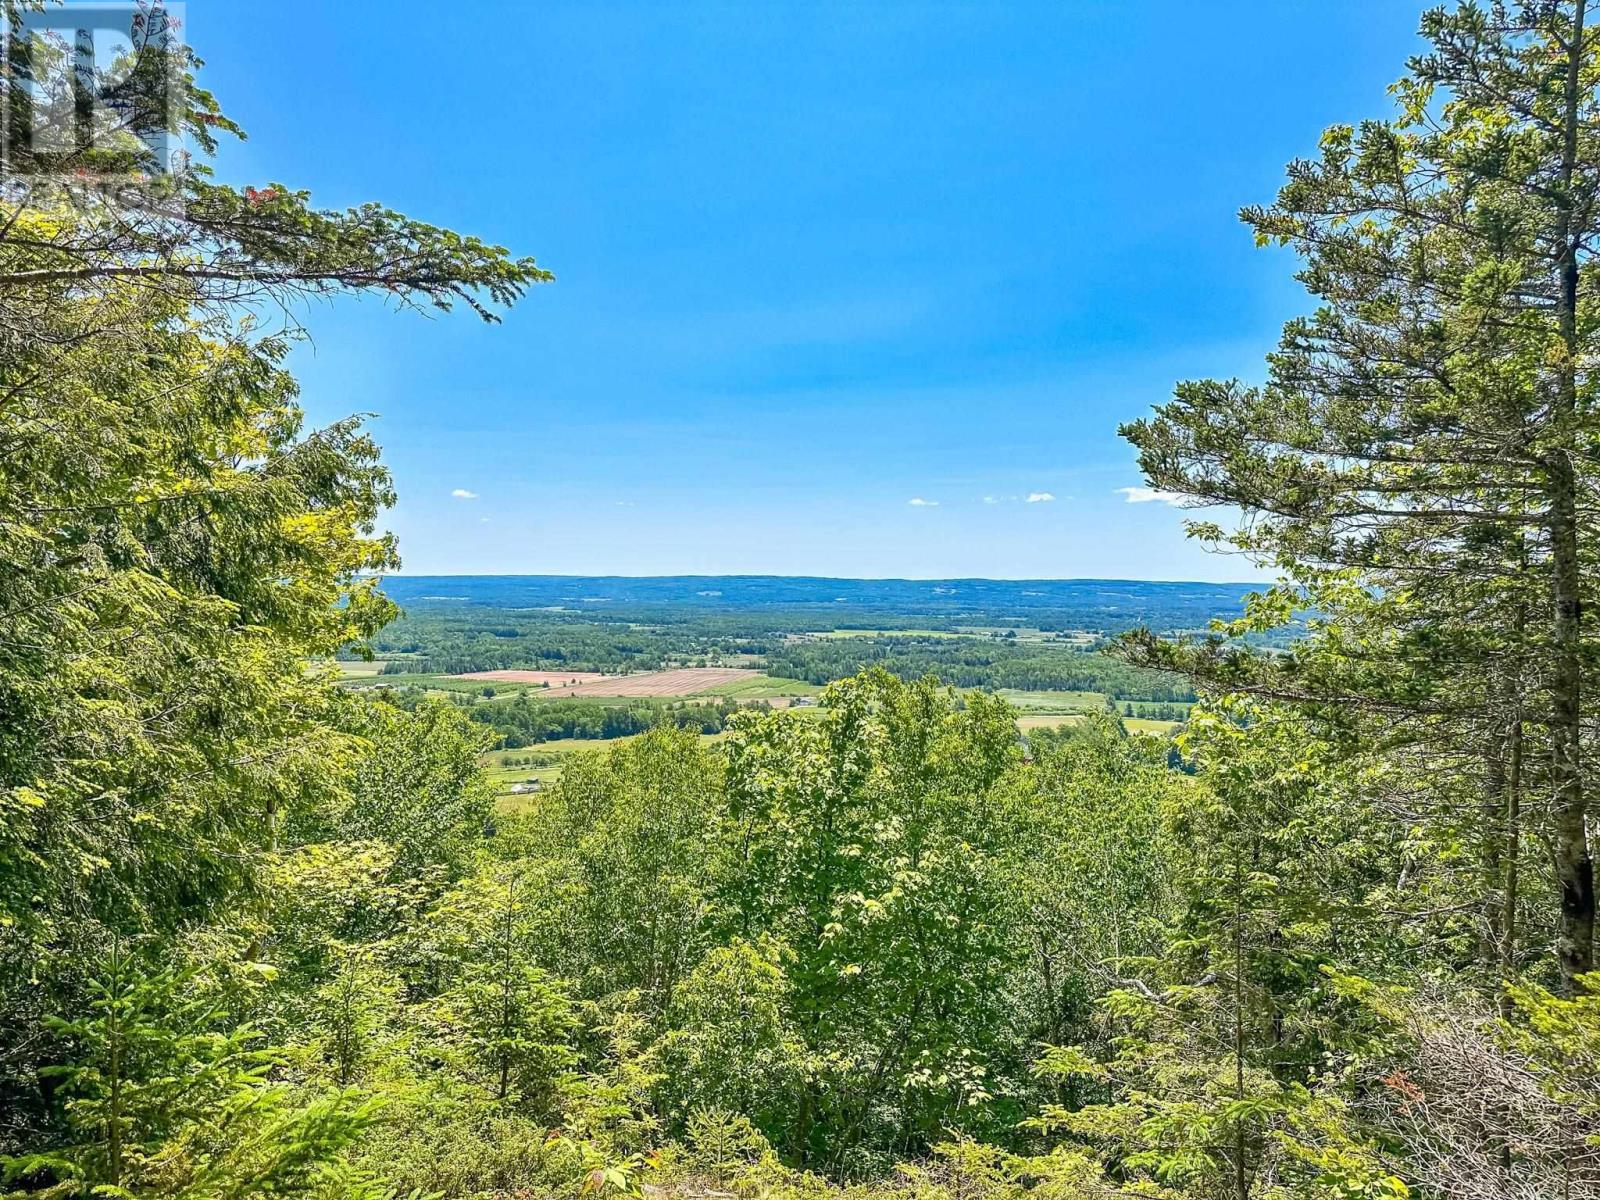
(626, 835)
(730, 1047)
(414, 784)
(498, 1006)
(525, 721)
(174, 545)
(164, 1094)
(352, 1010)
(882, 947)
(976, 662)
(869, 846)
(823, 927)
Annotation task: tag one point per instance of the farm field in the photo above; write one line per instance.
(553, 678)
(619, 674)
(1049, 720)
(432, 684)
(680, 681)
(674, 682)
(1053, 702)
(347, 669)
(763, 687)
(1131, 724)
(1145, 725)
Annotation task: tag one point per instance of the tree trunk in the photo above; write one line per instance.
(1496, 799)
(1241, 1171)
(1573, 865)
(1513, 849)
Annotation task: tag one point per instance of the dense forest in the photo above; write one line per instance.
(264, 936)
(519, 718)
(976, 662)
(484, 638)
(522, 722)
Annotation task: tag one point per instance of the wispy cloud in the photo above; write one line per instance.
(625, 503)
(1040, 497)
(1144, 495)
(463, 494)
(919, 502)
(991, 500)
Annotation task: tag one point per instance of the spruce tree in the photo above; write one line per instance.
(1417, 460)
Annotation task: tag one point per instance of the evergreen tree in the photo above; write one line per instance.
(1417, 459)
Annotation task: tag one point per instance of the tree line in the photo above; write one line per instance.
(976, 663)
(522, 721)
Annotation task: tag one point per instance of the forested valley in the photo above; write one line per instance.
(265, 935)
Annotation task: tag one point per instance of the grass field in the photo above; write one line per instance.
(1048, 721)
(347, 670)
(543, 762)
(1131, 724)
(1143, 725)
(1053, 702)
(762, 687)
(360, 669)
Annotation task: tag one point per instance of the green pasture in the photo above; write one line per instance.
(1144, 725)
(1028, 702)
(766, 687)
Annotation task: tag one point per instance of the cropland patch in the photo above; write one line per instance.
(553, 678)
(1159, 728)
(764, 687)
(1049, 721)
(682, 681)
(361, 669)
(1053, 702)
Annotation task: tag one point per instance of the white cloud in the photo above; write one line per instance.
(625, 503)
(990, 500)
(1040, 497)
(463, 494)
(919, 502)
(1144, 495)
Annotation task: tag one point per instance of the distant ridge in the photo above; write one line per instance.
(1092, 603)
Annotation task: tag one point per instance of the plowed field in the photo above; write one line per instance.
(685, 681)
(553, 678)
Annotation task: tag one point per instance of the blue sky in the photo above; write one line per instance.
(814, 263)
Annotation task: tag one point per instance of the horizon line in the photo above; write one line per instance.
(844, 578)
